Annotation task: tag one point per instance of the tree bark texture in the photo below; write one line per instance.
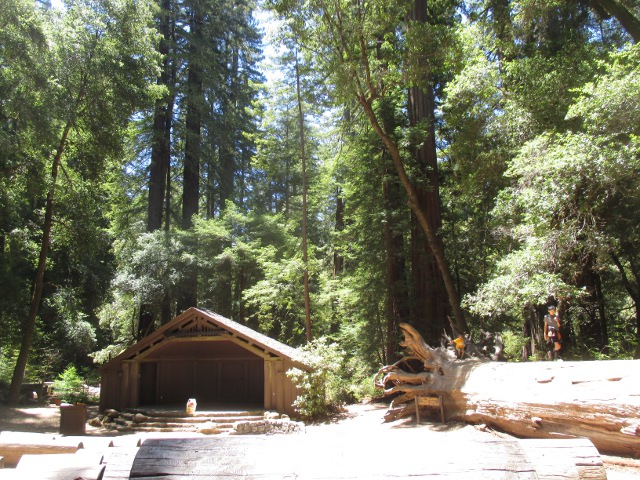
(598, 400)
(428, 299)
(397, 294)
(162, 123)
(188, 294)
(227, 137)
(459, 319)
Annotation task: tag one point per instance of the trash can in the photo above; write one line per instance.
(73, 419)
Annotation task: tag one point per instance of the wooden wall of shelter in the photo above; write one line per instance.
(205, 356)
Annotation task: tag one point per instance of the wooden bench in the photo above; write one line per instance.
(57, 457)
(429, 401)
(13, 447)
(82, 464)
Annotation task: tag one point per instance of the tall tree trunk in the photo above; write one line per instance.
(396, 281)
(209, 170)
(188, 294)
(338, 258)
(289, 184)
(305, 254)
(590, 281)
(228, 135)
(397, 301)
(459, 321)
(429, 298)
(602, 313)
(38, 284)
(159, 168)
(633, 289)
(162, 123)
(503, 27)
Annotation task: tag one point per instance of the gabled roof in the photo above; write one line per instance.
(203, 324)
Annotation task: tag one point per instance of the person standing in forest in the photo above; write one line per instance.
(552, 334)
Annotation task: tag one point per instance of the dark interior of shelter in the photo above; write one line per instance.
(213, 372)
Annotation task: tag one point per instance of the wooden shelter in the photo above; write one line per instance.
(205, 356)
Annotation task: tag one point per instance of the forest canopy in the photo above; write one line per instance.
(318, 169)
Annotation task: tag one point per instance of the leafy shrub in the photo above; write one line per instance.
(325, 387)
(514, 343)
(69, 386)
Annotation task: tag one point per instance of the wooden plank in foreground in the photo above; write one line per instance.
(291, 457)
(118, 461)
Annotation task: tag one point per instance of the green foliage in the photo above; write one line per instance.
(331, 380)
(514, 344)
(537, 117)
(70, 387)
(7, 361)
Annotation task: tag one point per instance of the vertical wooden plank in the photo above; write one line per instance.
(134, 388)
(269, 390)
(279, 364)
(286, 391)
(105, 390)
(124, 385)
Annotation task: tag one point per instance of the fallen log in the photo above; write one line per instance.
(260, 457)
(598, 400)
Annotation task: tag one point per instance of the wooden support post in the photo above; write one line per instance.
(432, 401)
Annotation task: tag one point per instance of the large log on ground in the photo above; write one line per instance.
(598, 400)
(353, 457)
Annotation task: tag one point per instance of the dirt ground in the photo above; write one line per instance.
(357, 419)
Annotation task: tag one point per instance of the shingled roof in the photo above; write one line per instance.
(196, 322)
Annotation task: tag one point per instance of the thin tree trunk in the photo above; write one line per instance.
(602, 314)
(629, 22)
(338, 258)
(423, 217)
(38, 284)
(305, 255)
